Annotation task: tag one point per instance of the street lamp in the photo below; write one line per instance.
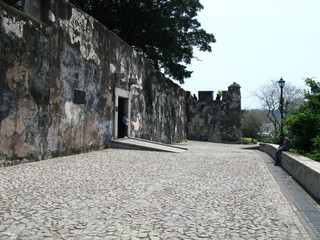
(281, 83)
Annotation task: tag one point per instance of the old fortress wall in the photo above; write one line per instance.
(66, 81)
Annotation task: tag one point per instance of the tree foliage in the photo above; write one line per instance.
(15, 3)
(303, 125)
(255, 124)
(163, 31)
(251, 123)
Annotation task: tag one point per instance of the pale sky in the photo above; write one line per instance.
(257, 41)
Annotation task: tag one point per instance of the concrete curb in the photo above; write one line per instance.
(304, 170)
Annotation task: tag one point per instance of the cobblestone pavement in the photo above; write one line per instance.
(211, 191)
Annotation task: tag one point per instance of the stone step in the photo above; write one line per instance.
(146, 145)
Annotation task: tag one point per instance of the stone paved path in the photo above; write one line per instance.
(211, 191)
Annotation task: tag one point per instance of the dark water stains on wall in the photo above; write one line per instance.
(58, 75)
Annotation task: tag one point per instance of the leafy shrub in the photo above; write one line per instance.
(248, 140)
(303, 125)
(301, 128)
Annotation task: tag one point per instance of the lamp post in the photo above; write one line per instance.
(281, 83)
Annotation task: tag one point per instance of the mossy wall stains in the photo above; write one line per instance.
(215, 120)
(46, 58)
(58, 73)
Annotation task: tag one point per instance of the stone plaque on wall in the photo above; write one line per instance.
(79, 97)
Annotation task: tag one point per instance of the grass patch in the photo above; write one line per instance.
(248, 140)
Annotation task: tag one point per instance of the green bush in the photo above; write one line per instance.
(303, 125)
(248, 140)
(315, 155)
(302, 130)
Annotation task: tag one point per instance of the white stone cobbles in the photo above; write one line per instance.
(211, 191)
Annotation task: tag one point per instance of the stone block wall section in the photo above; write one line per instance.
(304, 170)
(215, 120)
(66, 81)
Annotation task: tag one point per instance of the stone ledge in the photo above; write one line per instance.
(304, 170)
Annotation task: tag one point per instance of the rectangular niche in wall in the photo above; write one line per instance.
(79, 97)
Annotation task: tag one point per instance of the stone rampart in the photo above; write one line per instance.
(58, 80)
(215, 120)
(66, 81)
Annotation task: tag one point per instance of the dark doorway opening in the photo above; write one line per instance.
(122, 110)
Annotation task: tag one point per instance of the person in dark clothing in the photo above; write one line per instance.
(125, 122)
(285, 145)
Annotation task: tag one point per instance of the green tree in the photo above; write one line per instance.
(251, 123)
(164, 32)
(303, 125)
(255, 124)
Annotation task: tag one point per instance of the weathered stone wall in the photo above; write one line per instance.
(58, 75)
(25, 63)
(66, 80)
(215, 120)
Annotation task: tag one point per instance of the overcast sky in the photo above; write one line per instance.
(257, 41)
